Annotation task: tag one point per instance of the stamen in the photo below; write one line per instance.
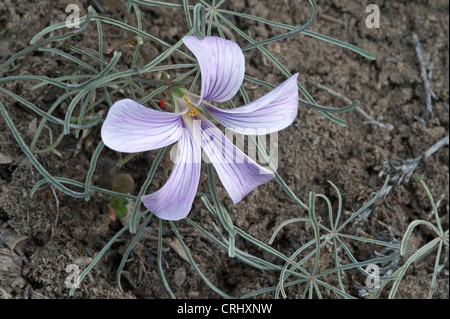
(192, 109)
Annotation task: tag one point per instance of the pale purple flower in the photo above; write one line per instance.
(131, 127)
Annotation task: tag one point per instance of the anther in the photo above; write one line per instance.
(192, 109)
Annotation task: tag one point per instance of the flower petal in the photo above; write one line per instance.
(174, 200)
(222, 65)
(270, 113)
(238, 173)
(131, 127)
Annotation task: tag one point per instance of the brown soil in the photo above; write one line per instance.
(40, 236)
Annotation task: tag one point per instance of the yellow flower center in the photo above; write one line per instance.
(192, 109)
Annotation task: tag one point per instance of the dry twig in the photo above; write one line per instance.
(369, 118)
(424, 75)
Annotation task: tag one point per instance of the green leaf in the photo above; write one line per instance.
(119, 205)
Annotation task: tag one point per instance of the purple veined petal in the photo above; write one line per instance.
(222, 66)
(174, 200)
(238, 173)
(272, 112)
(131, 127)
